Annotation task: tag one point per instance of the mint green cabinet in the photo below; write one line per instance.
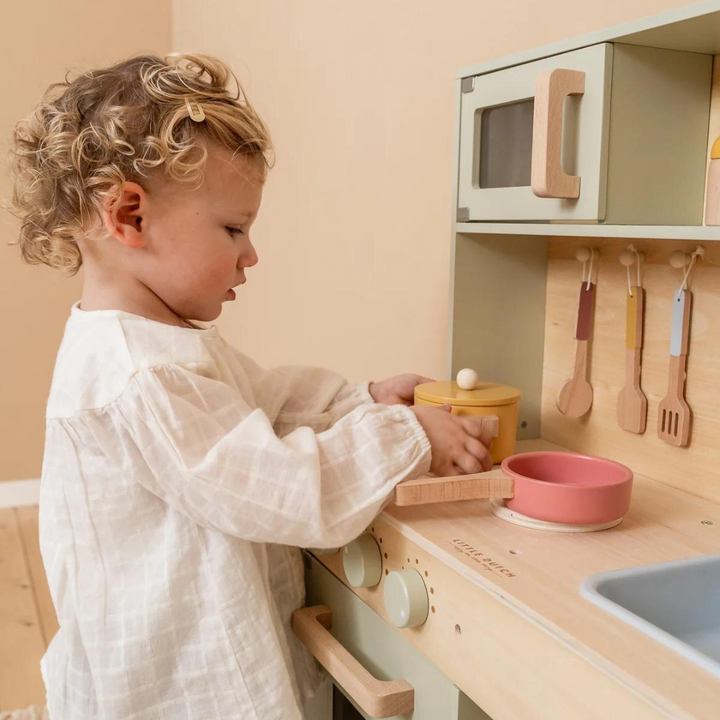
(384, 653)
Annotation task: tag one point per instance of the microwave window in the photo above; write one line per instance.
(343, 708)
(506, 145)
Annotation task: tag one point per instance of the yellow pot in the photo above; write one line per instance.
(486, 399)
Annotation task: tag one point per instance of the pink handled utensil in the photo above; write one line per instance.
(576, 395)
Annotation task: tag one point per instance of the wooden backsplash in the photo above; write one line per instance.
(695, 468)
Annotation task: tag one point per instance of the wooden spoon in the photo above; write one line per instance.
(576, 395)
(632, 403)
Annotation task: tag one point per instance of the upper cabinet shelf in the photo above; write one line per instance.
(660, 232)
(606, 140)
(692, 28)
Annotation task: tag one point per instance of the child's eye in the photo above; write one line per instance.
(233, 230)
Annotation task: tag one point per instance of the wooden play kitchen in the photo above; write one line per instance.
(586, 280)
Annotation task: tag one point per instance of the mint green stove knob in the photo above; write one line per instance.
(406, 598)
(362, 562)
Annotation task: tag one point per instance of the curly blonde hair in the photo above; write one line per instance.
(118, 124)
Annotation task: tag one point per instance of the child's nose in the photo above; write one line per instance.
(248, 258)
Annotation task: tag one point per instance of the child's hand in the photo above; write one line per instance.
(459, 445)
(399, 390)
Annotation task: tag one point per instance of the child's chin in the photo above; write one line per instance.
(206, 314)
(210, 315)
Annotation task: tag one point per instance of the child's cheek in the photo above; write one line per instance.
(214, 275)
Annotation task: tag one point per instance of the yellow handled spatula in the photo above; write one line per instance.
(632, 403)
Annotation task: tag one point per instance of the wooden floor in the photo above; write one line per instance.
(27, 616)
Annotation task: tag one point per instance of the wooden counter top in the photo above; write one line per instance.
(539, 574)
(596, 663)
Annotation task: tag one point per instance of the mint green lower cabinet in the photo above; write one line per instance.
(384, 653)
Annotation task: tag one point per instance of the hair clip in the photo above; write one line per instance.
(196, 113)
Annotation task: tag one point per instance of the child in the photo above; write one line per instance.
(179, 477)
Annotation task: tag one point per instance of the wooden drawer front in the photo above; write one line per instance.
(584, 141)
(385, 653)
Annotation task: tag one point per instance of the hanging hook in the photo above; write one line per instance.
(583, 254)
(679, 259)
(627, 257)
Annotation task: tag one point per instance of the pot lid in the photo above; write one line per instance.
(484, 395)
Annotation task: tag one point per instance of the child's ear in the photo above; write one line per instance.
(123, 217)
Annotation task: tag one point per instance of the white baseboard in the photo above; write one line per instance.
(17, 493)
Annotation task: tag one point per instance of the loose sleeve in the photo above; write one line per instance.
(196, 443)
(297, 395)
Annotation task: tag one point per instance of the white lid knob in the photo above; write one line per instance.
(362, 562)
(406, 598)
(467, 379)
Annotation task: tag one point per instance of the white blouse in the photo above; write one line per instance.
(179, 480)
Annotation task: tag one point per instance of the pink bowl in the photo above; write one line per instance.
(566, 488)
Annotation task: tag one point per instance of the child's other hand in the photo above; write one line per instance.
(459, 445)
(398, 390)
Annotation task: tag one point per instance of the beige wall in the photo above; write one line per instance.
(39, 42)
(354, 234)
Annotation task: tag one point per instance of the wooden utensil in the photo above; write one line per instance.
(632, 403)
(576, 395)
(674, 413)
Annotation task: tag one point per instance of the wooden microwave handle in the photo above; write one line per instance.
(427, 489)
(377, 698)
(547, 178)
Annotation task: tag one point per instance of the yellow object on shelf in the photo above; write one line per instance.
(712, 192)
(715, 151)
(485, 399)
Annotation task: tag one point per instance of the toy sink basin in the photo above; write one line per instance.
(677, 603)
